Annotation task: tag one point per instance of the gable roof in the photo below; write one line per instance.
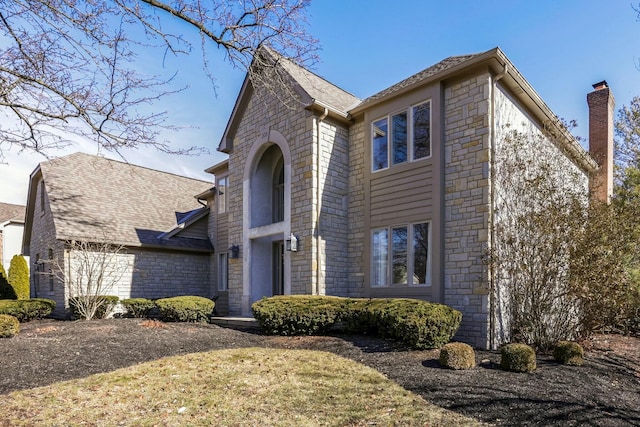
(11, 212)
(92, 197)
(441, 67)
(314, 91)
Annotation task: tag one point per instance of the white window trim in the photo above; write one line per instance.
(223, 279)
(410, 256)
(410, 136)
(224, 178)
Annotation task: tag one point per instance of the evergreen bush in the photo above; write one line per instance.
(18, 277)
(138, 307)
(568, 353)
(9, 326)
(419, 324)
(518, 358)
(298, 314)
(457, 355)
(6, 290)
(185, 309)
(27, 309)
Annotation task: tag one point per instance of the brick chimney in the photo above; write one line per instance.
(601, 103)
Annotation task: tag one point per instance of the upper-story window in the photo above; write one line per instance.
(278, 193)
(401, 137)
(221, 186)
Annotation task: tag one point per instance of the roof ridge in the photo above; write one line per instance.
(122, 162)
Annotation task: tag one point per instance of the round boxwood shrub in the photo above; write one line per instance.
(298, 314)
(568, 353)
(185, 309)
(518, 358)
(457, 355)
(28, 309)
(9, 326)
(138, 307)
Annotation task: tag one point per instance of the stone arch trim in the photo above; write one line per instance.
(260, 146)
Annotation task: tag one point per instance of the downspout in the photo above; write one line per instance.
(323, 116)
(492, 178)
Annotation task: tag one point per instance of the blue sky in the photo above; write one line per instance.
(561, 47)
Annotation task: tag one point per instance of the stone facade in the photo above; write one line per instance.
(334, 200)
(467, 145)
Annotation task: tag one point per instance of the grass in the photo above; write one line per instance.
(241, 387)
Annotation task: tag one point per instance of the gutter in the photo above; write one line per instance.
(492, 186)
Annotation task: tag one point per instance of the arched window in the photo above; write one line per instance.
(278, 192)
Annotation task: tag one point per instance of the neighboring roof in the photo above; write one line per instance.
(11, 212)
(93, 198)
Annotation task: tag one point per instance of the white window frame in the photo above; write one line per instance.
(222, 198)
(410, 136)
(410, 256)
(223, 271)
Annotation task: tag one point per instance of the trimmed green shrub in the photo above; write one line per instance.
(518, 358)
(185, 309)
(18, 277)
(568, 353)
(27, 309)
(420, 324)
(103, 304)
(9, 326)
(457, 355)
(298, 314)
(6, 290)
(137, 307)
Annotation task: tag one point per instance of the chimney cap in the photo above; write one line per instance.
(601, 85)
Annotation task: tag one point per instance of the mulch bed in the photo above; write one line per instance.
(604, 392)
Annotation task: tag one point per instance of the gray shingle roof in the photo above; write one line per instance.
(9, 211)
(96, 198)
(440, 67)
(320, 89)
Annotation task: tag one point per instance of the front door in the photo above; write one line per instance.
(278, 268)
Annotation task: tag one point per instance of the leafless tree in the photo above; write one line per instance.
(89, 272)
(71, 67)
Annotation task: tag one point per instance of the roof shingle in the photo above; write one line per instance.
(96, 198)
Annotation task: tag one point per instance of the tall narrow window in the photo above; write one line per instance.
(422, 130)
(278, 193)
(42, 196)
(223, 271)
(420, 253)
(36, 273)
(380, 144)
(222, 194)
(50, 270)
(399, 132)
(380, 257)
(399, 255)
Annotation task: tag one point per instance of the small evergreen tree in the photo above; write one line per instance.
(6, 291)
(19, 277)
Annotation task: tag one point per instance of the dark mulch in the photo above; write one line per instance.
(605, 391)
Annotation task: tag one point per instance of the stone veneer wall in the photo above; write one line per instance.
(356, 230)
(467, 147)
(43, 238)
(262, 115)
(334, 187)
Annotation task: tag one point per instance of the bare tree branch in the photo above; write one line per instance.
(69, 67)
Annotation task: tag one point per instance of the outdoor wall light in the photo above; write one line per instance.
(291, 244)
(235, 251)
